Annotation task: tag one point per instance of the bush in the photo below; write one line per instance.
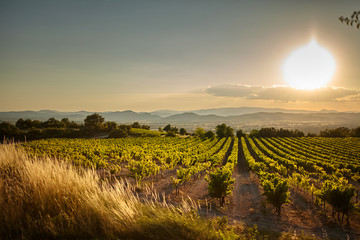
(170, 134)
(200, 132)
(209, 134)
(118, 133)
(183, 131)
(220, 184)
(139, 132)
(339, 195)
(276, 191)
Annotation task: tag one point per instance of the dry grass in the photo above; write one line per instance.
(43, 198)
(50, 199)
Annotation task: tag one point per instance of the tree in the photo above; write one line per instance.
(94, 121)
(183, 131)
(7, 130)
(240, 133)
(254, 133)
(229, 132)
(110, 126)
(337, 132)
(200, 132)
(267, 132)
(355, 132)
(353, 20)
(224, 131)
(53, 123)
(23, 124)
(36, 124)
(170, 133)
(209, 134)
(126, 128)
(66, 122)
(174, 129)
(167, 128)
(220, 130)
(73, 124)
(136, 125)
(118, 133)
(147, 127)
(220, 184)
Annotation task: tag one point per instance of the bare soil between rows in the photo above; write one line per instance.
(246, 206)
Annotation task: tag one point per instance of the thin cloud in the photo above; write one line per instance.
(284, 93)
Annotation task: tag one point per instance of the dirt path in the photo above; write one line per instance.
(246, 203)
(246, 195)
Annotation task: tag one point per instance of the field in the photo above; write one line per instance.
(320, 176)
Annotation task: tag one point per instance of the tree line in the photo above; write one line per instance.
(94, 125)
(337, 132)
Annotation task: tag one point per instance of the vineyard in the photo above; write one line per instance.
(323, 171)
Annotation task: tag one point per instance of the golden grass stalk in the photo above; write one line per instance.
(45, 198)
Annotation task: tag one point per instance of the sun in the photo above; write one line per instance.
(309, 67)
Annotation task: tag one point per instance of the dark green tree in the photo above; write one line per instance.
(221, 130)
(111, 126)
(23, 124)
(209, 134)
(224, 131)
(254, 133)
(240, 133)
(53, 123)
(36, 124)
(167, 128)
(170, 133)
(175, 130)
(66, 122)
(136, 125)
(118, 133)
(355, 132)
(147, 127)
(7, 130)
(94, 121)
(126, 128)
(183, 131)
(337, 132)
(229, 132)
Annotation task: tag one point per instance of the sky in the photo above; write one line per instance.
(146, 55)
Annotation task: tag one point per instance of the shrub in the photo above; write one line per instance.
(118, 133)
(220, 184)
(276, 191)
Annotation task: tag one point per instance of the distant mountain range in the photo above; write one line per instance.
(245, 117)
(225, 112)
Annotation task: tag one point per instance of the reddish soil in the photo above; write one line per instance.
(246, 206)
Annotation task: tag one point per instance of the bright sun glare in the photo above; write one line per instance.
(309, 67)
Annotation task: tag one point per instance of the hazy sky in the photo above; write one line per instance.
(100, 55)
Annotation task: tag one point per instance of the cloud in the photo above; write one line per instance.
(284, 93)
